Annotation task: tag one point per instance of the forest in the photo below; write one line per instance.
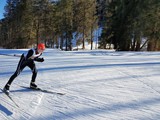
(126, 25)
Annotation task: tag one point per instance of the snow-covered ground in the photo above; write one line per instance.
(99, 85)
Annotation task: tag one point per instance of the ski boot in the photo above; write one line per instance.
(33, 85)
(6, 89)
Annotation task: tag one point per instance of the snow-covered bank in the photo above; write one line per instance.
(99, 85)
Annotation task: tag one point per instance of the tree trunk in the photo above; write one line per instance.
(91, 38)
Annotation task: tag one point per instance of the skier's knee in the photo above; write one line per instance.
(16, 73)
(35, 72)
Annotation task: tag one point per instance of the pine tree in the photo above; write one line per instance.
(129, 21)
(85, 20)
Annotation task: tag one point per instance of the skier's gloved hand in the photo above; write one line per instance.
(39, 59)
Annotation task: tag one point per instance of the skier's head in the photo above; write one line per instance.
(40, 47)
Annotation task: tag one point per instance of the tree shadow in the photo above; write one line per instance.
(97, 66)
(5, 110)
(81, 67)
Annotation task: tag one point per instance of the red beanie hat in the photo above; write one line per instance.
(41, 46)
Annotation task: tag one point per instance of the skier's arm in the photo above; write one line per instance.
(39, 59)
(30, 55)
(35, 56)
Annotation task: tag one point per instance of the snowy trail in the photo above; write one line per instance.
(99, 85)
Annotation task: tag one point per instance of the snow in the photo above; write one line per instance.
(99, 85)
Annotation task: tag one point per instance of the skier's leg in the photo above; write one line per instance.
(20, 67)
(32, 66)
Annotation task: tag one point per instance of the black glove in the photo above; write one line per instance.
(39, 59)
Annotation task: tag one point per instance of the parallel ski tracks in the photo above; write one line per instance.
(149, 86)
(20, 112)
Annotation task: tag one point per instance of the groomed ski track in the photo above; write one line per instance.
(99, 85)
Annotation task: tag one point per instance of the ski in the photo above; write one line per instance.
(10, 97)
(43, 90)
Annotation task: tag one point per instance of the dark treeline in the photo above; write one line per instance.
(126, 24)
(132, 24)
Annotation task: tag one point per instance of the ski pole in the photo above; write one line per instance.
(14, 55)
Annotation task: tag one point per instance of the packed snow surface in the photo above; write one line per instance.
(98, 85)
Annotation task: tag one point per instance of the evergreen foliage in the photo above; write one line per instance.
(131, 24)
(126, 24)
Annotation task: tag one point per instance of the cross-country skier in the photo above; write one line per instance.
(27, 59)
